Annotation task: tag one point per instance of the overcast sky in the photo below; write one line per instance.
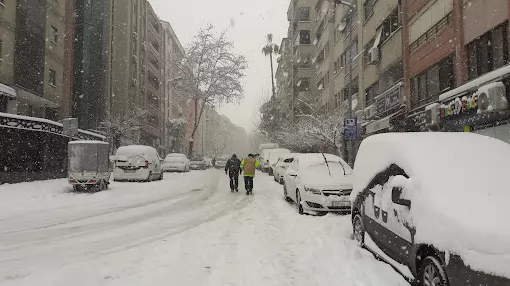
(247, 22)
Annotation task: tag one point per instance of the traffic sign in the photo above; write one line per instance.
(350, 129)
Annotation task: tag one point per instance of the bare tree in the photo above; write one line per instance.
(209, 74)
(123, 128)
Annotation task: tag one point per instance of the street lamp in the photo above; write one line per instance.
(349, 143)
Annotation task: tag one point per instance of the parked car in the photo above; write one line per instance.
(137, 163)
(264, 159)
(176, 162)
(273, 157)
(284, 161)
(319, 183)
(198, 163)
(436, 203)
(221, 162)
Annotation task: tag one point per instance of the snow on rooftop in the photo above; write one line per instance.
(458, 179)
(88, 142)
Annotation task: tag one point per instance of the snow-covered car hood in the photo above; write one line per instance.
(459, 191)
(319, 177)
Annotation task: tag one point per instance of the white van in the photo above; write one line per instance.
(137, 163)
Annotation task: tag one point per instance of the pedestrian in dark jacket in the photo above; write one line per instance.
(233, 169)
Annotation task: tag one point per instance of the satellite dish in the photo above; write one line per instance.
(341, 26)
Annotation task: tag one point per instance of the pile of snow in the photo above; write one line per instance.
(458, 179)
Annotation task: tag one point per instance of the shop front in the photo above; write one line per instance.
(386, 114)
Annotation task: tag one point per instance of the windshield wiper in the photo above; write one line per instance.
(326, 160)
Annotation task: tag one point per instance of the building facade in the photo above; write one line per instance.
(32, 57)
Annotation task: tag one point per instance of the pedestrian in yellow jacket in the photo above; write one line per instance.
(249, 165)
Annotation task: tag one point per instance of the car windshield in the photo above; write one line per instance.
(254, 142)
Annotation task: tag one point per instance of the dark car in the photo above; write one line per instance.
(421, 213)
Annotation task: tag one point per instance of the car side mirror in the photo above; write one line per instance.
(396, 192)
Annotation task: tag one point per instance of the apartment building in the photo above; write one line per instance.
(137, 67)
(301, 16)
(174, 107)
(31, 57)
(457, 66)
(87, 55)
(283, 79)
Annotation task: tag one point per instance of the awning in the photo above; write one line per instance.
(8, 91)
(380, 124)
(377, 40)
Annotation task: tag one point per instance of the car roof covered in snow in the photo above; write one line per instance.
(457, 179)
(88, 142)
(135, 148)
(175, 155)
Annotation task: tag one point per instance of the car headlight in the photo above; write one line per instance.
(312, 190)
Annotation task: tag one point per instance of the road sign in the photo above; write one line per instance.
(350, 129)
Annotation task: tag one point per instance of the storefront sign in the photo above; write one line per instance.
(460, 106)
(389, 99)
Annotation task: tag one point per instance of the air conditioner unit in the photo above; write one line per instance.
(432, 114)
(144, 46)
(374, 55)
(135, 36)
(135, 82)
(492, 97)
(370, 112)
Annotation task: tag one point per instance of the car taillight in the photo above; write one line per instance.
(73, 181)
(146, 165)
(92, 181)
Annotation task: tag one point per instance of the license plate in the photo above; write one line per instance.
(340, 204)
(129, 171)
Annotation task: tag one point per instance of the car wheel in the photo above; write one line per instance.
(358, 230)
(103, 186)
(161, 176)
(285, 194)
(432, 273)
(298, 203)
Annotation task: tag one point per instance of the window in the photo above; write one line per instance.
(427, 86)
(488, 52)
(304, 37)
(432, 32)
(153, 80)
(326, 79)
(304, 14)
(153, 121)
(366, 55)
(370, 93)
(3, 104)
(368, 7)
(304, 84)
(326, 48)
(53, 78)
(152, 99)
(390, 25)
(54, 34)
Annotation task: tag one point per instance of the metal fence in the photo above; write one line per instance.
(34, 149)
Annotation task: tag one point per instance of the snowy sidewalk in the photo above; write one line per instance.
(220, 239)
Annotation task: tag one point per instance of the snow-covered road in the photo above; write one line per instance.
(185, 230)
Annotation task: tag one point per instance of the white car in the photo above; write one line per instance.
(176, 162)
(281, 166)
(273, 157)
(137, 163)
(319, 183)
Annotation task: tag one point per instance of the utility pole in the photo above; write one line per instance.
(349, 143)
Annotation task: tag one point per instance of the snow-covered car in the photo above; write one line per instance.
(221, 162)
(273, 157)
(319, 183)
(176, 162)
(198, 163)
(281, 166)
(435, 205)
(137, 163)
